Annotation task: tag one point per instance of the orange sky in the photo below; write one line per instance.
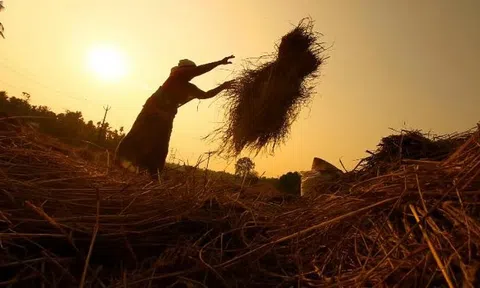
(399, 64)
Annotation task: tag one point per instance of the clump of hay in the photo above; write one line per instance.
(267, 97)
(394, 150)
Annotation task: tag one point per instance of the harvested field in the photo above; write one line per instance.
(66, 222)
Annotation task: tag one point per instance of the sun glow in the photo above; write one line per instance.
(107, 63)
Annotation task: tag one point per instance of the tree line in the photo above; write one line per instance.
(69, 126)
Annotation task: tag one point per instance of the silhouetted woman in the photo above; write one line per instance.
(146, 145)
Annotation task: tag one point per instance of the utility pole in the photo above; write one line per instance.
(100, 133)
(209, 153)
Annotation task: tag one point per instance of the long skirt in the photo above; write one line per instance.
(146, 145)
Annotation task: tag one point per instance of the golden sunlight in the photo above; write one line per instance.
(107, 63)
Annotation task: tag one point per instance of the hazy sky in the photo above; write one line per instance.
(399, 64)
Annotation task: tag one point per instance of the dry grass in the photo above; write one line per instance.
(268, 95)
(65, 222)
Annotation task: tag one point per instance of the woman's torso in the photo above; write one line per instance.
(172, 94)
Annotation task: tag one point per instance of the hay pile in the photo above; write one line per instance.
(267, 97)
(408, 146)
(64, 223)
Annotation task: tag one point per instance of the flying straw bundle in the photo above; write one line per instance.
(267, 97)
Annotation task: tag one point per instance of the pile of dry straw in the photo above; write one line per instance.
(267, 97)
(65, 222)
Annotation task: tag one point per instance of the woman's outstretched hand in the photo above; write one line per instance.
(226, 60)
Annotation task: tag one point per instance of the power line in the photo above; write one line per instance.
(2, 63)
(11, 85)
(48, 87)
(52, 89)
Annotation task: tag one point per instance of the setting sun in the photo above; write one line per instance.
(107, 63)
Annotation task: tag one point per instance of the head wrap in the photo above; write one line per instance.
(183, 64)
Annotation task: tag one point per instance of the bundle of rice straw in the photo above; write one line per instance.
(267, 97)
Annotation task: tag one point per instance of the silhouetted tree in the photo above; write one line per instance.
(290, 183)
(3, 98)
(244, 166)
(26, 96)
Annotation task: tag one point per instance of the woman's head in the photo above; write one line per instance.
(184, 63)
